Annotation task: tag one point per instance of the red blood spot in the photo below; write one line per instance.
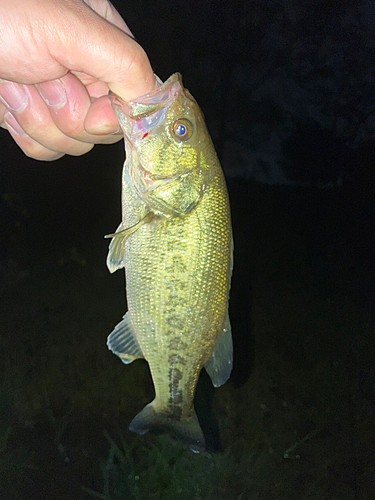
(145, 135)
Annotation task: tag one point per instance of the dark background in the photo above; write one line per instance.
(287, 90)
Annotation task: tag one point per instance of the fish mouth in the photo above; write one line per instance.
(147, 111)
(172, 194)
(151, 102)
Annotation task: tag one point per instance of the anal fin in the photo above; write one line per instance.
(123, 342)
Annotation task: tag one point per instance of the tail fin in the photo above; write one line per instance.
(187, 430)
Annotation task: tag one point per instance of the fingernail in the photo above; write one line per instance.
(13, 96)
(13, 125)
(108, 129)
(53, 93)
(118, 131)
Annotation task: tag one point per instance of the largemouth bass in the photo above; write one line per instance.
(175, 243)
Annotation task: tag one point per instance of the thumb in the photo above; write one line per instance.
(94, 39)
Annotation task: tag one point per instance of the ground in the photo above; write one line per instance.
(296, 419)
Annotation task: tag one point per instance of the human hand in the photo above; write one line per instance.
(58, 60)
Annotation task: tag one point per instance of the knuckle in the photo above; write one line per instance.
(63, 144)
(36, 151)
(2, 113)
(53, 140)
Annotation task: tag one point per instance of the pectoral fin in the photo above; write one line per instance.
(125, 233)
(115, 259)
(123, 342)
(219, 364)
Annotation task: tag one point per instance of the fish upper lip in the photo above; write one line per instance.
(149, 103)
(115, 99)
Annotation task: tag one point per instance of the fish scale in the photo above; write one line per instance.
(175, 243)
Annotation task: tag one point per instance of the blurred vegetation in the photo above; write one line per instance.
(133, 472)
(295, 421)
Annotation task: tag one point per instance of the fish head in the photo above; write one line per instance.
(165, 136)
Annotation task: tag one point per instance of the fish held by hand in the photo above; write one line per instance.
(175, 243)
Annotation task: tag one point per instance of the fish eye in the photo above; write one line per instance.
(182, 130)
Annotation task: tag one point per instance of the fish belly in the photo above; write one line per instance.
(177, 280)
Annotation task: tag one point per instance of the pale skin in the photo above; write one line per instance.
(58, 60)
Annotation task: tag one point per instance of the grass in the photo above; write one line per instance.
(133, 472)
(295, 420)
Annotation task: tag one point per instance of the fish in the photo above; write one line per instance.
(176, 246)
